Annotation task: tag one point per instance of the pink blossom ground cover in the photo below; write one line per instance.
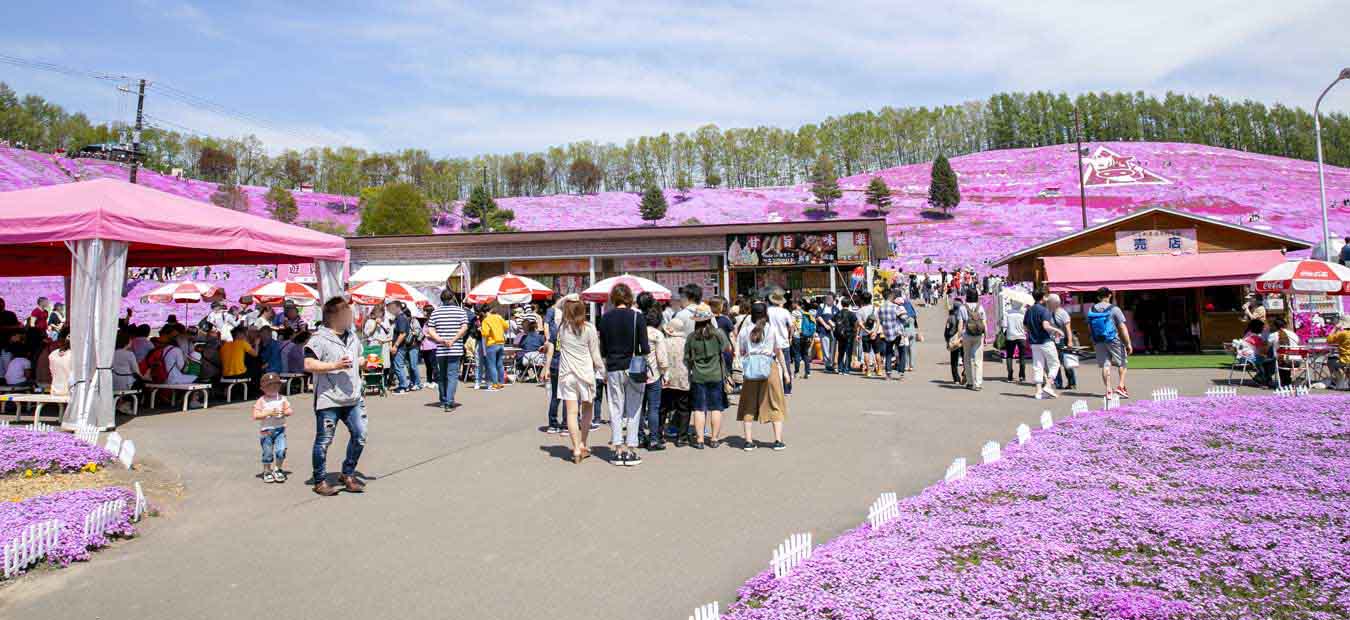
(69, 507)
(1181, 510)
(22, 450)
(1011, 199)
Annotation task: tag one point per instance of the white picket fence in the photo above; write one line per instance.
(141, 504)
(31, 546)
(102, 517)
(87, 434)
(1290, 391)
(127, 453)
(114, 444)
(991, 452)
(886, 507)
(1111, 401)
(38, 427)
(795, 550)
(1023, 433)
(707, 612)
(1166, 393)
(1221, 391)
(956, 471)
(1047, 420)
(4, 423)
(1079, 407)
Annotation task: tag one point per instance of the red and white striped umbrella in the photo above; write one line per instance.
(508, 289)
(285, 291)
(1305, 276)
(378, 292)
(186, 292)
(599, 292)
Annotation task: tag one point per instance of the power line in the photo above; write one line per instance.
(41, 65)
(202, 103)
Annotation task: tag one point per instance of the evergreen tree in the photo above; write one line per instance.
(281, 204)
(825, 183)
(879, 195)
(397, 209)
(230, 196)
(943, 190)
(712, 179)
(481, 213)
(653, 205)
(682, 182)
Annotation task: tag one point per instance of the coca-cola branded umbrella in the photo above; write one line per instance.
(508, 288)
(283, 292)
(378, 292)
(599, 292)
(1305, 276)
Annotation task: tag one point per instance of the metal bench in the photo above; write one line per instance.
(230, 384)
(289, 378)
(38, 400)
(134, 395)
(186, 388)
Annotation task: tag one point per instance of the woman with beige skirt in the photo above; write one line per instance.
(579, 360)
(762, 363)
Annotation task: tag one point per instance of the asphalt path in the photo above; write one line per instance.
(479, 514)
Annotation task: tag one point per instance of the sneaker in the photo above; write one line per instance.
(778, 445)
(1049, 393)
(279, 476)
(1122, 392)
(621, 460)
(1040, 395)
(268, 476)
(552, 430)
(634, 459)
(595, 426)
(749, 446)
(657, 447)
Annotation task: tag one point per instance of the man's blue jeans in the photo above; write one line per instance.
(354, 416)
(827, 348)
(448, 382)
(651, 423)
(553, 421)
(493, 359)
(405, 368)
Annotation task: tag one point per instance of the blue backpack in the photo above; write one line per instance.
(808, 325)
(1102, 325)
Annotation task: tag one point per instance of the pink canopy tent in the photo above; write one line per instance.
(92, 231)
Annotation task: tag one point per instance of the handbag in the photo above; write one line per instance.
(1000, 340)
(1071, 360)
(756, 366)
(637, 365)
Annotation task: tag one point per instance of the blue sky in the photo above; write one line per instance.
(465, 78)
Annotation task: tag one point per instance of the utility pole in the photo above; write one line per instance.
(136, 133)
(1082, 191)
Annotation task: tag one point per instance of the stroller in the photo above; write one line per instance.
(373, 373)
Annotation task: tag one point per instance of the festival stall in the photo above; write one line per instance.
(93, 231)
(1181, 279)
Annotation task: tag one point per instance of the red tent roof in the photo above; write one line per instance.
(163, 230)
(1134, 273)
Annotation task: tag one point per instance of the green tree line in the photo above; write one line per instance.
(711, 156)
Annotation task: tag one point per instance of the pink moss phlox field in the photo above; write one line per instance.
(22, 449)
(1193, 509)
(69, 507)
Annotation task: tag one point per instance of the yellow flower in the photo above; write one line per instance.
(27, 473)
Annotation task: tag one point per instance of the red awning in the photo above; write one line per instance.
(1133, 273)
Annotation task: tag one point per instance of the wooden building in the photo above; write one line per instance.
(1180, 278)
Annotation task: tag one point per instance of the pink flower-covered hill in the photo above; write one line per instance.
(1011, 199)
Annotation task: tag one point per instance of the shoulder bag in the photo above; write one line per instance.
(637, 365)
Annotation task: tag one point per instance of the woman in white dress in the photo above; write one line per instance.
(578, 363)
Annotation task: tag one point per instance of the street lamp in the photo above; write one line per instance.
(1321, 176)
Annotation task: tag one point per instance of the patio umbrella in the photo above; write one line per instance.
(186, 292)
(1305, 276)
(1017, 296)
(283, 292)
(599, 292)
(377, 292)
(508, 289)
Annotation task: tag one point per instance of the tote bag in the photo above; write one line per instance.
(756, 367)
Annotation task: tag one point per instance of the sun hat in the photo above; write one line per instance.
(777, 297)
(571, 297)
(674, 327)
(702, 313)
(270, 378)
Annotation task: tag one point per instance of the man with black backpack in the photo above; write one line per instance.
(972, 320)
(845, 327)
(1110, 340)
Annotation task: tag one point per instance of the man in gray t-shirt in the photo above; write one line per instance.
(1110, 340)
(333, 357)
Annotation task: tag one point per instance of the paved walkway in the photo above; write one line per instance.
(477, 514)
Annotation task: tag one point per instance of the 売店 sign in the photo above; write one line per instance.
(1171, 241)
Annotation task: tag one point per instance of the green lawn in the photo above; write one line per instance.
(1170, 362)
